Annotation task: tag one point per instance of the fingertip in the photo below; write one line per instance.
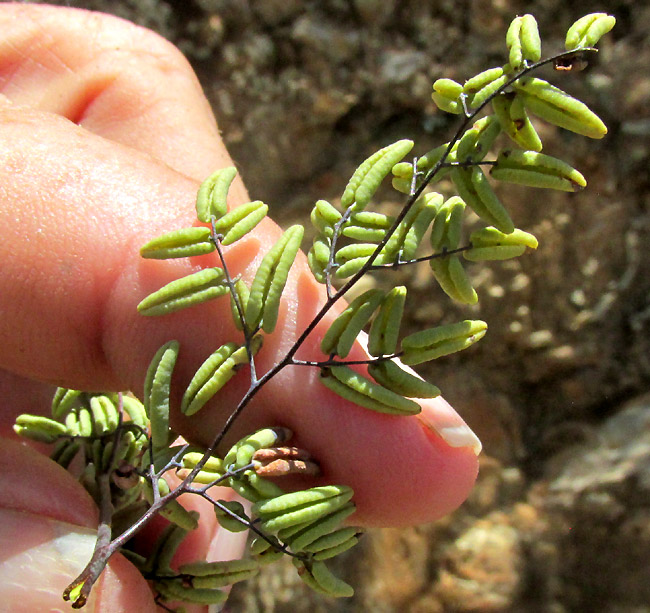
(40, 556)
(31, 482)
(421, 479)
(123, 588)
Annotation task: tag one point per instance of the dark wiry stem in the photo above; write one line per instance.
(103, 546)
(105, 549)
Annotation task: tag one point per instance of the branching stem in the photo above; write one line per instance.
(105, 547)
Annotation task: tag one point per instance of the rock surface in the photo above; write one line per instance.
(559, 521)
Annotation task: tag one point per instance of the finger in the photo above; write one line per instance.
(74, 279)
(115, 79)
(47, 535)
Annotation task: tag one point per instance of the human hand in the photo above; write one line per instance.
(104, 136)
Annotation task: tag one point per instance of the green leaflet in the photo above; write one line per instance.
(264, 438)
(477, 141)
(245, 490)
(487, 237)
(524, 132)
(513, 43)
(490, 244)
(214, 373)
(475, 190)
(270, 279)
(328, 212)
(156, 392)
(483, 254)
(453, 279)
(225, 567)
(448, 88)
(188, 291)
(461, 281)
(300, 507)
(264, 487)
(390, 375)
(85, 421)
(321, 249)
(489, 129)
(212, 195)
(355, 250)
(515, 122)
(318, 257)
(357, 321)
(349, 384)
(446, 95)
(320, 528)
(65, 452)
(557, 107)
(537, 170)
(366, 179)
(64, 399)
(223, 579)
(403, 172)
(209, 379)
(478, 82)
(227, 522)
(484, 84)
(240, 221)
(588, 30)
(135, 410)
(384, 330)
(214, 464)
(105, 415)
(344, 330)
(352, 267)
(395, 243)
(128, 449)
(401, 185)
(203, 477)
(259, 545)
(435, 342)
(173, 511)
(368, 227)
(37, 428)
(326, 554)
(318, 577)
(523, 42)
(431, 158)
(531, 45)
(243, 293)
(174, 589)
(241, 454)
(409, 234)
(179, 244)
(164, 548)
(334, 586)
(324, 217)
(72, 427)
(447, 225)
(332, 539)
(364, 234)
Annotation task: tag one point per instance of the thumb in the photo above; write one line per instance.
(75, 210)
(47, 536)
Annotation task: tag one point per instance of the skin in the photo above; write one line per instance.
(105, 135)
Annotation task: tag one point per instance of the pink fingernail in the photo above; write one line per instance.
(437, 415)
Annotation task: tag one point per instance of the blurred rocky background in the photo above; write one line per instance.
(559, 390)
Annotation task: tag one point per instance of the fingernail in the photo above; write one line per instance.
(439, 417)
